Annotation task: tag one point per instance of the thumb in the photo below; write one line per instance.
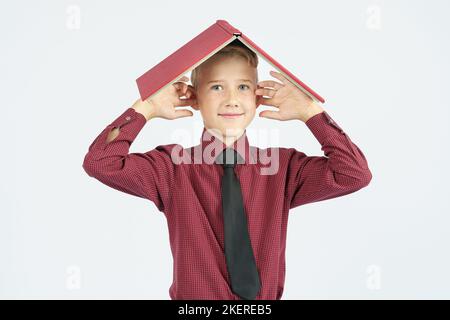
(183, 113)
(270, 114)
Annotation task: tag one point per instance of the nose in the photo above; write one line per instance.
(232, 99)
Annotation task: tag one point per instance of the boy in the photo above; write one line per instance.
(227, 217)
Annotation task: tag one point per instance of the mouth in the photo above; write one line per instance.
(230, 115)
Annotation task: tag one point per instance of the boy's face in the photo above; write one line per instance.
(226, 96)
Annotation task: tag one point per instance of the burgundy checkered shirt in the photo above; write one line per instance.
(185, 184)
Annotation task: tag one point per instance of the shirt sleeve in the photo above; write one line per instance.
(343, 169)
(146, 175)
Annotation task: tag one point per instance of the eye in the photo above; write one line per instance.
(245, 86)
(216, 85)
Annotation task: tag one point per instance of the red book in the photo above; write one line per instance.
(198, 50)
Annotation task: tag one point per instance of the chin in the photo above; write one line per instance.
(233, 132)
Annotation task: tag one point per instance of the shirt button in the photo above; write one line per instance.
(128, 118)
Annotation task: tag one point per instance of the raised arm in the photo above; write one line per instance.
(343, 169)
(146, 175)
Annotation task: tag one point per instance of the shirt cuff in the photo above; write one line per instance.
(322, 126)
(130, 124)
(130, 115)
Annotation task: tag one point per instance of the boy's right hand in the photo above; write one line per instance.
(163, 104)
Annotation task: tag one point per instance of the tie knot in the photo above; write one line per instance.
(229, 157)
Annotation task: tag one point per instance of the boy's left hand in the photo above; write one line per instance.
(291, 102)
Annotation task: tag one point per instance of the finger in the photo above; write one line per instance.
(279, 76)
(267, 92)
(271, 84)
(184, 102)
(180, 86)
(184, 78)
(182, 90)
(190, 92)
(270, 114)
(183, 113)
(267, 101)
(181, 82)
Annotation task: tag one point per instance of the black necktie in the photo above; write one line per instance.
(244, 277)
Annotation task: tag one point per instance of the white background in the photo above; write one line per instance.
(68, 68)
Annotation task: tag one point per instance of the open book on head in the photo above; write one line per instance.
(200, 49)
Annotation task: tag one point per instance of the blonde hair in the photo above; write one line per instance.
(234, 49)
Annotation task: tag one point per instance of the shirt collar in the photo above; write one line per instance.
(210, 148)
